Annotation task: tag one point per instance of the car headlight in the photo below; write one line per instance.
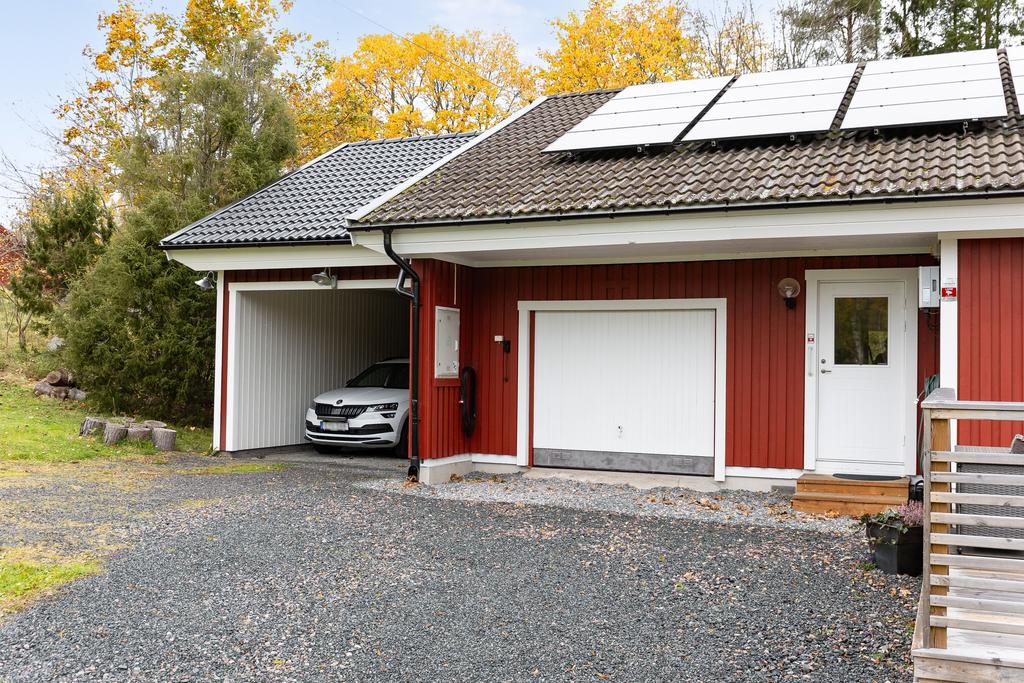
(383, 407)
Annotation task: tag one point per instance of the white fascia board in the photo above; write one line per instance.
(707, 226)
(366, 209)
(257, 258)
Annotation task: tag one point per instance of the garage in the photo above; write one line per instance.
(290, 341)
(634, 386)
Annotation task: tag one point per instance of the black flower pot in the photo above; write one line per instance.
(896, 552)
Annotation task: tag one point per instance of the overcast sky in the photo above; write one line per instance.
(41, 44)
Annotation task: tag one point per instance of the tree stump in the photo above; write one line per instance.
(42, 388)
(155, 424)
(139, 433)
(59, 393)
(61, 378)
(76, 394)
(92, 425)
(164, 439)
(113, 433)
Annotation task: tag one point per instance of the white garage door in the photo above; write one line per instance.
(625, 390)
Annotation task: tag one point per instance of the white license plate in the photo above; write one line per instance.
(334, 426)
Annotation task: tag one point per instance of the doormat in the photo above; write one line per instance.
(866, 477)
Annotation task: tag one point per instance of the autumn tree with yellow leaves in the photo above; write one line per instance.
(431, 82)
(606, 46)
(140, 48)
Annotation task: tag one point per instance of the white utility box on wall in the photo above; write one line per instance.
(446, 342)
(929, 292)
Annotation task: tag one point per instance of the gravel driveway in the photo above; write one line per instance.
(333, 570)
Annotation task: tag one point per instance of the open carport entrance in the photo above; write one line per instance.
(286, 342)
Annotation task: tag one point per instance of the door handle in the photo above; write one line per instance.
(825, 372)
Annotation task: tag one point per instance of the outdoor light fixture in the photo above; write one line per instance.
(325, 279)
(789, 289)
(208, 281)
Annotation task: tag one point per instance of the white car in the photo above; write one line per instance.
(371, 411)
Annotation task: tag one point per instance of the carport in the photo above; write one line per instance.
(282, 338)
(288, 341)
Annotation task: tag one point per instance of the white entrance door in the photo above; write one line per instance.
(861, 374)
(625, 390)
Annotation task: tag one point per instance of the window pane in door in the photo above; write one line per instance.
(862, 330)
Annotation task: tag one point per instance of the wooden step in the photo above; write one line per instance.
(824, 483)
(861, 490)
(844, 503)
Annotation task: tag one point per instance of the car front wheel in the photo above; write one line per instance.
(402, 447)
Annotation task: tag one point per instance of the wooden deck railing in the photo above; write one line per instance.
(998, 580)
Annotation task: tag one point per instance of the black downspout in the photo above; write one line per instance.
(414, 352)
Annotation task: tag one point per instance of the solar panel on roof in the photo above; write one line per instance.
(960, 86)
(1016, 58)
(650, 114)
(776, 103)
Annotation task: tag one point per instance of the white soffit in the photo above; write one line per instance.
(650, 114)
(959, 86)
(1016, 57)
(776, 103)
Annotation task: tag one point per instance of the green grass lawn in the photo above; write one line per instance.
(41, 428)
(22, 580)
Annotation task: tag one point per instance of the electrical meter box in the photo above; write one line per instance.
(929, 292)
(446, 342)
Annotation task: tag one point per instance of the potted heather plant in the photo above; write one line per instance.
(895, 538)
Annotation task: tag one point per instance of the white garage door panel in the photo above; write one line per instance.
(638, 382)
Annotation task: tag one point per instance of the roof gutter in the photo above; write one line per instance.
(342, 241)
(685, 209)
(414, 351)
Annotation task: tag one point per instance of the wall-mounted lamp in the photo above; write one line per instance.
(208, 281)
(325, 279)
(789, 289)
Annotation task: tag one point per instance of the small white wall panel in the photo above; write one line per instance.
(625, 381)
(961, 86)
(291, 346)
(653, 113)
(776, 103)
(446, 342)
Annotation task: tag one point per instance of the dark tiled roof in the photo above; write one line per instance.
(310, 203)
(506, 176)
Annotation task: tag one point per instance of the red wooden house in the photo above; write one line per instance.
(748, 279)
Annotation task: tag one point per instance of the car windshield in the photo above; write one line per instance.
(384, 375)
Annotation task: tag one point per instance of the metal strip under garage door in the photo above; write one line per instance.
(625, 390)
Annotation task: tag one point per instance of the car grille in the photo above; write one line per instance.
(327, 410)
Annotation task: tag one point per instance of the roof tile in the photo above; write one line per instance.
(508, 176)
(310, 204)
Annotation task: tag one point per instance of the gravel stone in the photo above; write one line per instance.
(334, 570)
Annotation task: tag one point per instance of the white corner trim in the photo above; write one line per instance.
(492, 459)
(526, 309)
(366, 209)
(949, 328)
(309, 285)
(815, 278)
(218, 365)
(232, 370)
(260, 258)
(763, 472)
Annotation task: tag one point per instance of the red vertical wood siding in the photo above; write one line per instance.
(765, 345)
(991, 335)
